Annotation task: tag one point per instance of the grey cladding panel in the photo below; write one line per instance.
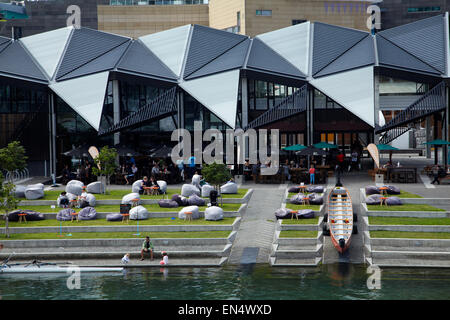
(16, 61)
(86, 45)
(330, 42)
(103, 63)
(391, 55)
(424, 39)
(232, 59)
(263, 58)
(139, 59)
(207, 44)
(362, 54)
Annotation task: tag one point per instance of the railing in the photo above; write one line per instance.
(291, 105)
(17, 175)
(431, 102)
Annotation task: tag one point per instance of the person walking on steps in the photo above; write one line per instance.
(435, 171)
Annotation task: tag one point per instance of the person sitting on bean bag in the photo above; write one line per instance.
(63, 200)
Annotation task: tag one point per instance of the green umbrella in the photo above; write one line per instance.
(437, 142)
(295, 147)
(386, 147)
(324, 145)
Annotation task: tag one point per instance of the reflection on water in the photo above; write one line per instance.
(335, 281)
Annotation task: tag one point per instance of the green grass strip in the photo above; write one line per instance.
(404, 207)
(314, 207)
(298, 234)
(409, 221)
(117, 235)
(116, 208)
(409, 235)
(103, 222)
(314, 220)
(117, 194)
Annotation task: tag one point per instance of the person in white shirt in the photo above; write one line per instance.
(165, 259)
(196, 180)
(126, 258)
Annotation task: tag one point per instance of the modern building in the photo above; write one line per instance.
(312, 81)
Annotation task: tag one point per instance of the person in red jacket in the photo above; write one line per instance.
(312, 173)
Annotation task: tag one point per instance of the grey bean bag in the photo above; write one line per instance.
(315, 189)
(71, 196)
(136, 186)
(90, 198)
(182, 201)
(168, 204)
(19, 191)
(95, 187)
(195, 200)
(30, 215)
(33, 193)
(297, 198)
(315, 198)
(394, 201)
(188, 190)
(65, 214)
(294, 190)
(229, 188)
(139, 213)
(283, 213)
(37, 185)
(75, 189)
(306, 214)
(374, 199)
(193, 209)
(392, 190)
(127, 198)
(206, 190)
(76, 182)
(114, 217)
(214, 213)
(372, 190)
(162, 185)
(87, 213)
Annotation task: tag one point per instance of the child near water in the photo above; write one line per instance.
(165, 259)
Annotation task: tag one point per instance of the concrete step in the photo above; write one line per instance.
(422, 263)
(306, 262)
(300, 246)
(411, 249)
(413, 255)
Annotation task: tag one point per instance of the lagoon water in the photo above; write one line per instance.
(337, 282)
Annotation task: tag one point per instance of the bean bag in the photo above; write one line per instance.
(305, 214)
(195, 200)
(75, 189)
(95, 187)
(315, 198)
(162, 186)
(193, 209)
(65, 214)
(87, 213)
(206, 190)
(136, 186)
(229, 188)
(37, 185)
(168, 204)
(294, 190)
(90, 198)
(374, 199)
(139, 213)
(283, 213)
(71, 196)
(214, 213)
(372, 190)
(188, 190)
(127, 198)
(114, 217)
(392, 190)
(297, 199)
(76, 182)
(394, 201)
(182, 201)
(315, 189)
(19, 191)
(30, 215)
(33, 193)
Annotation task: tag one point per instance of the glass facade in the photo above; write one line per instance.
(264, 95)
(195, 111)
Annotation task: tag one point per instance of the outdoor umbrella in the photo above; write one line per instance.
(161, 152)
(126, 151)
(311, 151)
(324, 145)
(295, 147)
(387, 147)
(437, 142)
(81, 151)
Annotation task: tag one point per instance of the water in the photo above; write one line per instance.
(337, 282)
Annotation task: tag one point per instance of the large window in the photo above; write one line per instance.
(194, 111)
(263, 95)
(423, 9)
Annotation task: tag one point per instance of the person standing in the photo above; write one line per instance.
(312, 174)
(435, 171)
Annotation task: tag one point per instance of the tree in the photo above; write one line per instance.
(13, 157)
(216, 174)
(106, 163)
(8, 200)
